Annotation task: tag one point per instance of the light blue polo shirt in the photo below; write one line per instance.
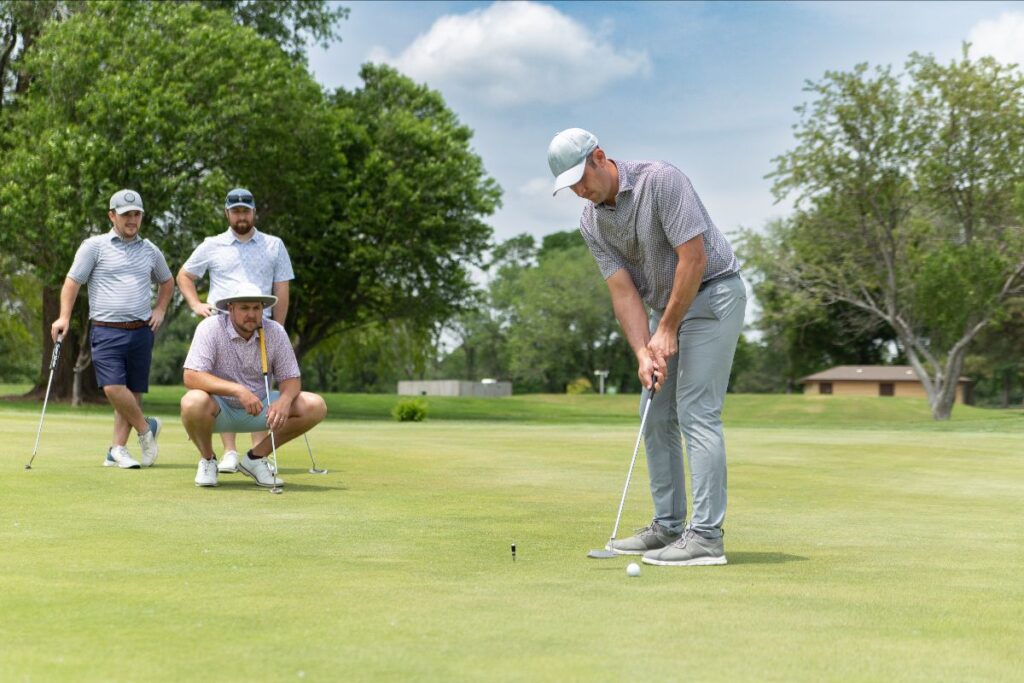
(262, 260)
(120, 275)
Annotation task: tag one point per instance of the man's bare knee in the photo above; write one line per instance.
(196, 403)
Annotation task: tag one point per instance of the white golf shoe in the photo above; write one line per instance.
(147, 441)
(228, 462)
(260, 471)
(118, 456)
(206, 475)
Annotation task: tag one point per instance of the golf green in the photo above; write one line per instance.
(854, 554)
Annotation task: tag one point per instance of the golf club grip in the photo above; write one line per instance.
(263, 349)
(55, 356)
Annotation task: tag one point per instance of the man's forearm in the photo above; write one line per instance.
(290, 388)
(68, 294)
(163, 297)
(211, 384)
(629, 311)
(280, 312)
(187, 287)
(685, 283)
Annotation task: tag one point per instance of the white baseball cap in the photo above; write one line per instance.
(567, 156)
(246, 291)
(124, 201)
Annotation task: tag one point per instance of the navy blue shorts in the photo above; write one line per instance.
(122, 356)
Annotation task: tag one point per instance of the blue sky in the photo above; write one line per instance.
(709, 87)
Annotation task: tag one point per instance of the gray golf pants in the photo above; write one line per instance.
(691, 398)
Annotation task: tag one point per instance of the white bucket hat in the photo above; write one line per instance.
(246, 291)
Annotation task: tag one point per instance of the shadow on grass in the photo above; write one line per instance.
(734, 558)
(763, 558)
(248, 487)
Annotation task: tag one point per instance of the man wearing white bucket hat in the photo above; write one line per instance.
(224, 375)
(242, 253)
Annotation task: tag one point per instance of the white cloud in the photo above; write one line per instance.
(515, 53)
(1002, 38)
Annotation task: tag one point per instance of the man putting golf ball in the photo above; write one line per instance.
(656, 246)
(224, 372)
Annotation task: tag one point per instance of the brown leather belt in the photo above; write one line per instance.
(130, 325)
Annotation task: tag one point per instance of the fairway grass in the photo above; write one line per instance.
(854, 554)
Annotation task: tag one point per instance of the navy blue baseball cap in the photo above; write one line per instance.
(240, 197)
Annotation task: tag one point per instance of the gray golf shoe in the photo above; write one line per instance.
(690, 550)
(651, 537)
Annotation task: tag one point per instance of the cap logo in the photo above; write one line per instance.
(129, 197)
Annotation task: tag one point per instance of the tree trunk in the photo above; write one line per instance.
(64, 372)
(945, 390)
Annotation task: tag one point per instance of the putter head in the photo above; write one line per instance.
(28, 467)
(602, 554)
(277, 489)
(314, 470)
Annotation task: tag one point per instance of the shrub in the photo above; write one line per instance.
(580, 385)
(410, 410)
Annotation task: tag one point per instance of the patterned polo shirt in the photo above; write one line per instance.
(261, 260)
(120, 274)
(656, 210)
(219, 350)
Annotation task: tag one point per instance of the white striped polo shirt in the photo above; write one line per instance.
(120, 275)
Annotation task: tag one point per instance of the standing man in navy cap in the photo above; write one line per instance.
(657, 247)
(119, 268)
(242, 254)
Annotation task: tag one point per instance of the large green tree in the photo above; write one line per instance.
(407, 196)
(201, 103)
(906, 187)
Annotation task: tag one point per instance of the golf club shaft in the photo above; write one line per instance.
(629, 475)
(266, 386)
(310, 449)
(54, 357)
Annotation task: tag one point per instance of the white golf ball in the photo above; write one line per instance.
(633, 569)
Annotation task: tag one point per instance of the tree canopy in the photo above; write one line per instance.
(908, 189)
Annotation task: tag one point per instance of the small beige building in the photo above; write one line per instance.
(453, 387)
(874, 380)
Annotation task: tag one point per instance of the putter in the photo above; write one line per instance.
(266, 386)
(607, 552)
(314, 469)
(53, 364)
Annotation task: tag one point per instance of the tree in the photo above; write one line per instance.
(801, 336)
(19, 300)
(996, 363)
(549, 319)
(406, 199)
(290, 24)
(908, 193)
(206, 102)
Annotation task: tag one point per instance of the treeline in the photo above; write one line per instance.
(376, 190)
(906, 244)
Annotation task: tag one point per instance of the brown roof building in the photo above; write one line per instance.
(874, 380)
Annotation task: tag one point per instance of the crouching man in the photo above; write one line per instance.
(224, 375)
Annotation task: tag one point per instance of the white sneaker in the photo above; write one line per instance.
(118, 456)
(147, 441)
(228, 462)
(258, 470)
(206, 475)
